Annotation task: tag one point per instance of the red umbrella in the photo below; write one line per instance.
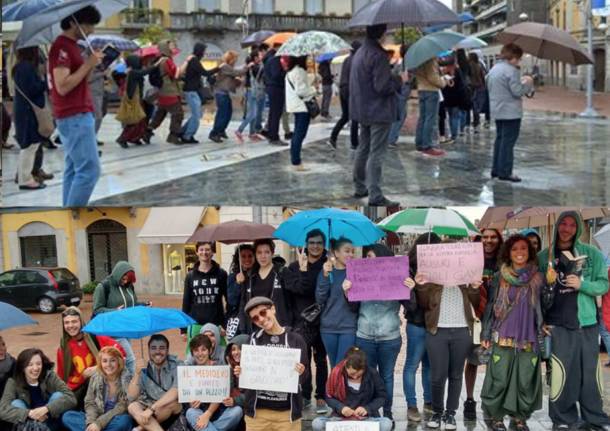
(233, 232)
(153, 51)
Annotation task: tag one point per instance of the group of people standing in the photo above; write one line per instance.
(525, 296)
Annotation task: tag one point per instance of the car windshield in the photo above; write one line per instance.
(62, 274)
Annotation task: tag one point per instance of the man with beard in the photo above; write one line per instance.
(492, 243)
(307, 268)
(153, 391)
(570, 316)
(77, 353)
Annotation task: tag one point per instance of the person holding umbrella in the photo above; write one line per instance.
(506, 90)
(372, 104)
(73, 105)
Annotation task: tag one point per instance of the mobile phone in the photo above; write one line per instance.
(110, 55)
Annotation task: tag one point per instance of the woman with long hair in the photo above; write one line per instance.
(354, 391)
(255, 91)
(35, 392)
(511, 327)
(30, 88)
(106, 399)
(242, 263)
(298, 91)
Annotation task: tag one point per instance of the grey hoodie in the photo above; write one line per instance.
(218, 355)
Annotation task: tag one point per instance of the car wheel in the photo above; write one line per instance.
(46, 305)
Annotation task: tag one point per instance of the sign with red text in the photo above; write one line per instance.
(208, 384)
(451, 264)
(378, 279)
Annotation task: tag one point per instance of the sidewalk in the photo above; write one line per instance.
(47, 334)
(563, 100)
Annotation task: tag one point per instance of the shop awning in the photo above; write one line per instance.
(170, 225)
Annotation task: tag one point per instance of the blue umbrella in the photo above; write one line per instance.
(23, 9)
(430, 46)
(326, 57)
(43, 27)
(99, 41)
(137, 322)
(334, 223)
(11, 316)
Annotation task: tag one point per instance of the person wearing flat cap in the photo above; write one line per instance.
(270, 410)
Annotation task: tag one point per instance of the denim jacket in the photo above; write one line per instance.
(379, 320)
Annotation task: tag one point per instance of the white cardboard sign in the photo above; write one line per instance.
(269, 368)
(363, 425)
(208, 384)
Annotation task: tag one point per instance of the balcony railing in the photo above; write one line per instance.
(141, 18)
(215, 21)
(492, 10)
(490, 31)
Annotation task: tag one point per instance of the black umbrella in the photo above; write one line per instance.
(411, 13)
(256, 38)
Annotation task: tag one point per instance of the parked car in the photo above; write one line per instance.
(41, 288)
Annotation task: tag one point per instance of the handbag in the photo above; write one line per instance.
(130, 111)
(477, 327)
(312, 313)
(312, 106)
(43, 115)
(30, 425)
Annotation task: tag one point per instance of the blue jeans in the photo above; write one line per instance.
(478, 103)
(507, 133)
(402, 98)
(81, 162)
(228, 419)
(130, 357)
(261, 100)
(52, 423)
(223, 114)
(252, 107)
(76, 421)
(416, 353)
(427, 122)
(456, 118)
(301, 124)
(337, 346)
(382, 355)
(319, 423)
(189, 129)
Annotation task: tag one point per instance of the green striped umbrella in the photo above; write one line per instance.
(422, 220)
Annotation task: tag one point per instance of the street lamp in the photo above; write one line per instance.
(243, 19)
(523, 16)
(589, 111)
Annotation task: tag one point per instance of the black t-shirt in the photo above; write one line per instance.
(564, 311)
(263, 286)
(36, 397)
(279, 401)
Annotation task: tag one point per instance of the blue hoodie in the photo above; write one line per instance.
(338, 315)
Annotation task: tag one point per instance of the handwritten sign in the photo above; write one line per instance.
(352, 426)
(208, 384)
(269, 368)
(380, 278)
(451, 264)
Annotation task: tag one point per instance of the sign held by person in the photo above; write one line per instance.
(352, 426)
(451, 264)
(208, 384)
(269, 368)
(378, 279)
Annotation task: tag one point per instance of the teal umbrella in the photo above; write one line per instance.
(429, 46)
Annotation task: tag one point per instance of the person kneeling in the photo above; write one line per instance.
(354, 391)
(209, 416)
(106, 399)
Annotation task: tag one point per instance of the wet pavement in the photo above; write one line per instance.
(47, 334)
(562, 160)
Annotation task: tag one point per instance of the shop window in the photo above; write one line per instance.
(38, 251)
(107, 241)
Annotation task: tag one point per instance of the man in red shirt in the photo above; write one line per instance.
(73, 105)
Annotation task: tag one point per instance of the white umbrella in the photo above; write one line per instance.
(471, 42)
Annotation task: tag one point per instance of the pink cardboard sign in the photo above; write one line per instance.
(378, 279)
(451, 264)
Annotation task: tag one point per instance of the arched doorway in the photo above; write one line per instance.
(107, 241)
(38, 245)
(599, 82)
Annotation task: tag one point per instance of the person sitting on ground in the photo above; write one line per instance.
(209, 416)
(106, 399)
(7, 368)
(35, 392)
(354, 391)
(77, 353)
(269, 410)
(217, 352)
(153, 391)
(233, 359)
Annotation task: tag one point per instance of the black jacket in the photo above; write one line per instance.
(280, 295)
(325, 73)
(455, 96)
(371, 396)
(303, 290)
(345, 74)
(294, 341)
(194, 72)
(273, 73)
(204, 293)
(373, 86)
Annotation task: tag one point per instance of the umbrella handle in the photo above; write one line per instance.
(80, 29)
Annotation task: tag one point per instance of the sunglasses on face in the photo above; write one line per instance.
(260, 316)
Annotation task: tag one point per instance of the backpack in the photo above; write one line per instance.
(30, 425)
(155, 77)
(106, 287)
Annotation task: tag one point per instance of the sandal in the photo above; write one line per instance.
(37, 186)
(521, 425)
(498, 425)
